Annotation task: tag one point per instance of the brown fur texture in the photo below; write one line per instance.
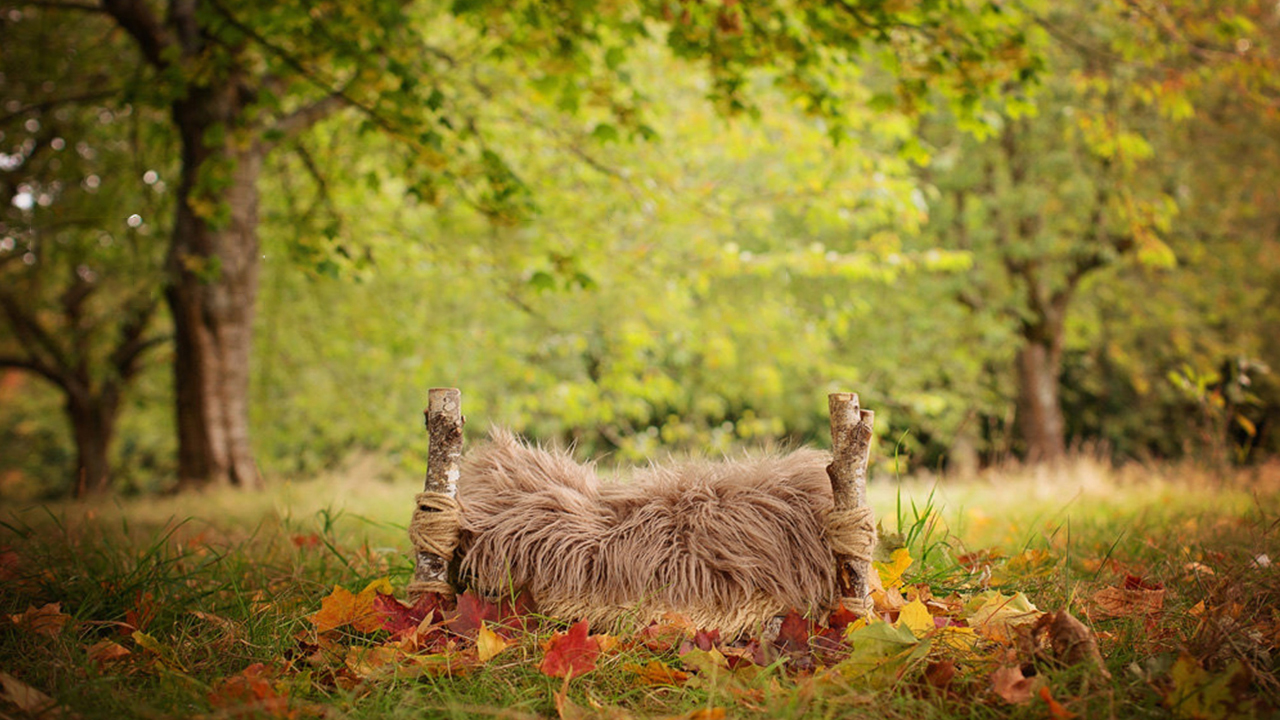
(728, 544)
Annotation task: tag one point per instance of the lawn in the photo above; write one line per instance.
(230, 605)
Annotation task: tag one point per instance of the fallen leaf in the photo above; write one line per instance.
(1112, 602)
(1009, 683)
(399, 618)
(470, 613)
(1073, 643)
(251, 694)
(940, 674)
(699, 714)
(570, 654)
(27, 698)
(1056, 710)
(995, 616)
(1199, 694)
(342, 608)
(657, 673)
(143, 612)
(48, 620)
(915, 616)
(793, 634)
(489, 643)
(891, 572)
(105, 652)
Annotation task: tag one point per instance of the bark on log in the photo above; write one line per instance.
(850, 449)
(444, 454)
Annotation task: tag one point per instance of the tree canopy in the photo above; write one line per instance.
(633, 225)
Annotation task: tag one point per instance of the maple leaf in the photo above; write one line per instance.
(47, 620)
(400, 618)
(489, 643)
(1197, 693)
(470, 613)
(1009, 683)
(793, 635)
(570, 654)
(880, 651)
(342, 607)
(671, 631)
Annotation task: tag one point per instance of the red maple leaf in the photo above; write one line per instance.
(570, 654)
(793, 636)
(400, 618)
(471, 610)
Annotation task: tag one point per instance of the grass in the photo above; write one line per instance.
(199, 589)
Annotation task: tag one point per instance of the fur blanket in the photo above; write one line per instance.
(727, 544)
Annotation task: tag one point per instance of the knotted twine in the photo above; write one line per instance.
(851, 534)
(434, 530)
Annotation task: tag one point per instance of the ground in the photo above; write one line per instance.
(287, 604)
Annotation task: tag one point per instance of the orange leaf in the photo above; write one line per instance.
(1113, 602)
(657, 673)
(342, 608)
(47, 620)
(570, 654)
(1056, 710)
(251, 694)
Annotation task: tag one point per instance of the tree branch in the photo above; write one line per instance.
(32, 365)
(136, 18)
(304, 117)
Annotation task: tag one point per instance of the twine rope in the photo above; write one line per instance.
(851, 534)
(436, 524)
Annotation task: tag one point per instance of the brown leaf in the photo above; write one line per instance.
(570, 654)
(940, 674)
(1113, 602)
(105, 652)
(27, 698)
(1073, 643)
(48, 620)
(1009, 683)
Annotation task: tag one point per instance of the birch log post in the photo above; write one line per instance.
(435, 525)
(851, 528)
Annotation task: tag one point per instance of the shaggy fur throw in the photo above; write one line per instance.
(728, 544)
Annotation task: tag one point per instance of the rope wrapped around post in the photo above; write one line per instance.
(436, 523)
(851, 530)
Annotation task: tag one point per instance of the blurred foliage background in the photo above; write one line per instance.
(1015, 228)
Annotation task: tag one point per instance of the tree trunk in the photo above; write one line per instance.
(1040, 421)
(93, 421)
(213, 266)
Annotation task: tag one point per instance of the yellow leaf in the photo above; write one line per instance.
(993, 615)
(917, 619)
(489, 643)
(891, 572)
